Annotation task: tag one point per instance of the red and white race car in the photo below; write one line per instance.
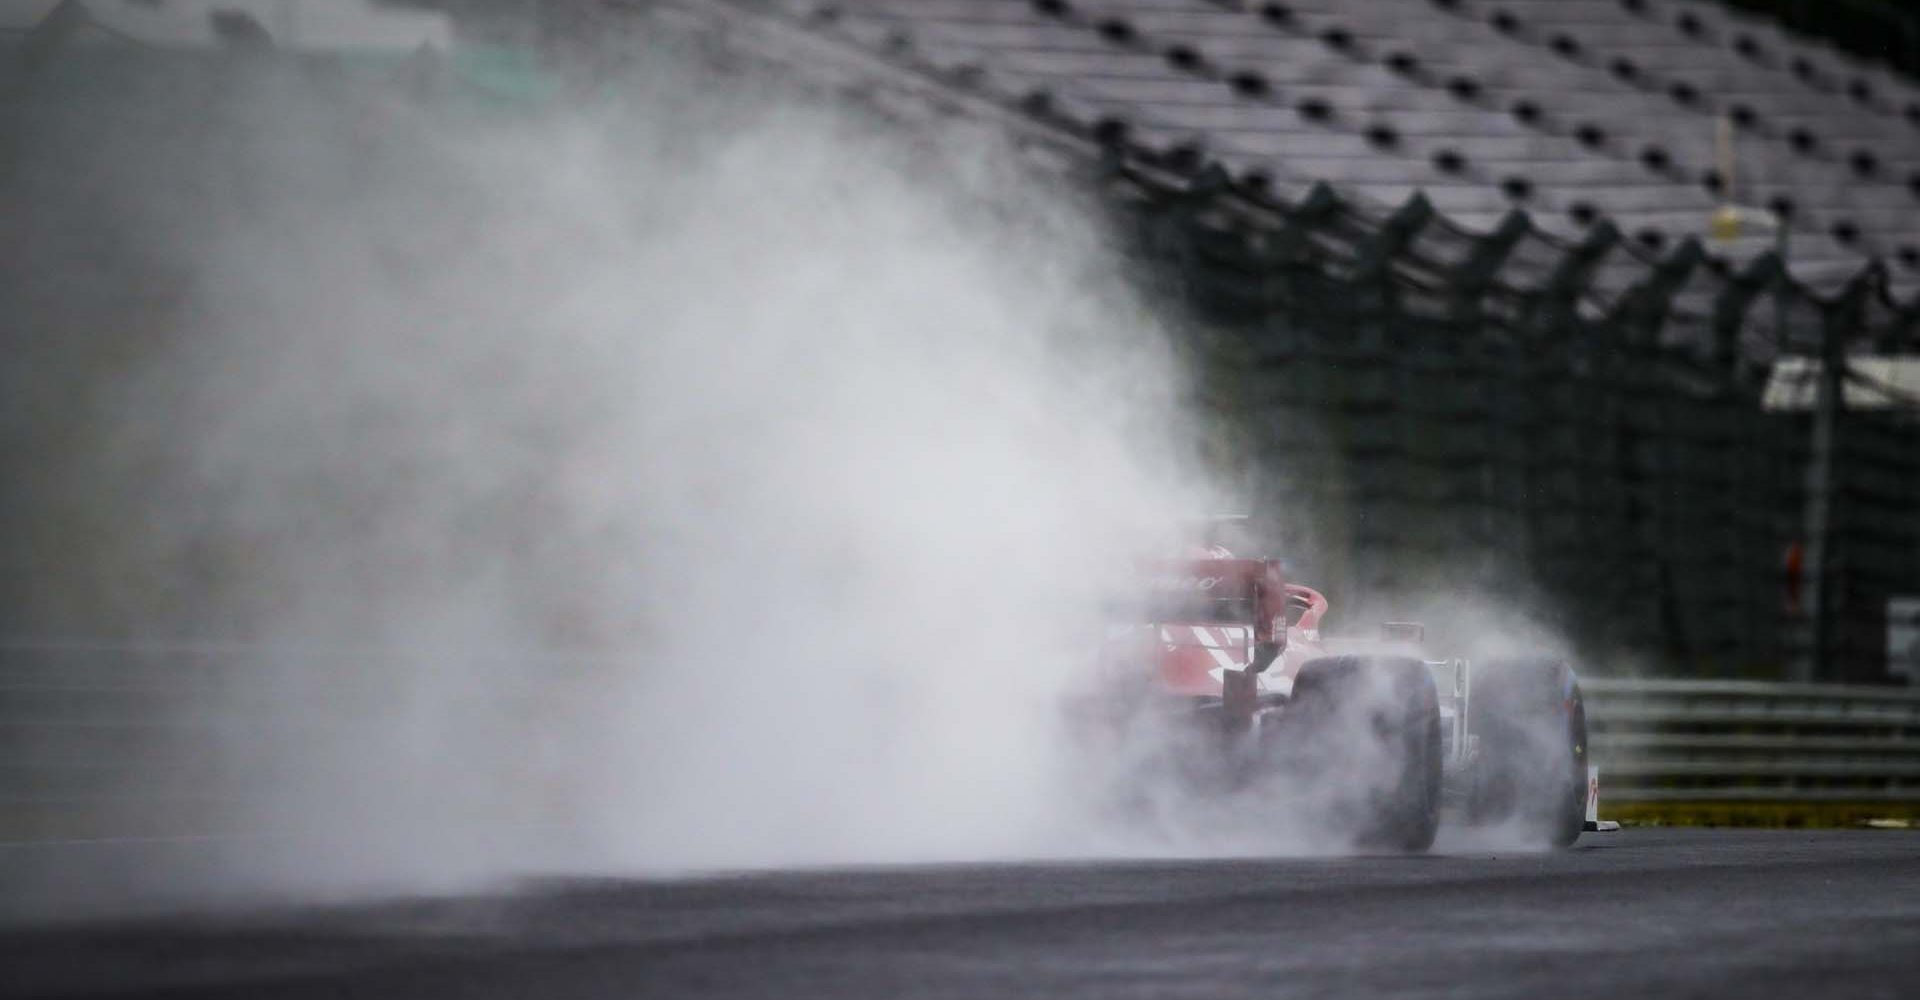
(1380, 736)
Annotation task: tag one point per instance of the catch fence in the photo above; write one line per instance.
(1589, 431)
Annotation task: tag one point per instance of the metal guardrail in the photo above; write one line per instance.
(102, 739)
(1663, 741)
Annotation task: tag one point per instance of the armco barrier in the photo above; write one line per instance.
(106, 739)
(1664, 741)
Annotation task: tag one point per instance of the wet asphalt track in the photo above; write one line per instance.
(1633, 914)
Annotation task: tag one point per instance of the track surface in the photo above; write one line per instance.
(1642, 912)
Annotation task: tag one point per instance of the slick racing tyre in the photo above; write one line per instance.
(1529, 726)
(1368, 730)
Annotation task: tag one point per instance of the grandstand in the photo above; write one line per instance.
(1574, 110)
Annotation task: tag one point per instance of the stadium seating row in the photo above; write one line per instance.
(1649, 115)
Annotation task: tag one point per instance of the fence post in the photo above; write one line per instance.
(1730, 310)
(1374, 269)
(1475, 275)
(1303, 217)
(1644, 311)
(1836, 322)
(1561, 290)
(1286, 257)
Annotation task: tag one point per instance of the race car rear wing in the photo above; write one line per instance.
(1247, 592)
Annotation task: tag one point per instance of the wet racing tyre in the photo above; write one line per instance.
(1528, 722)
(1367, 728)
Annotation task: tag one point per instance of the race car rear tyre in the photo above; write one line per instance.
(1529, 724)
(1371, 727)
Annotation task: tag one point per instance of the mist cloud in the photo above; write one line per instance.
(702, 478)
